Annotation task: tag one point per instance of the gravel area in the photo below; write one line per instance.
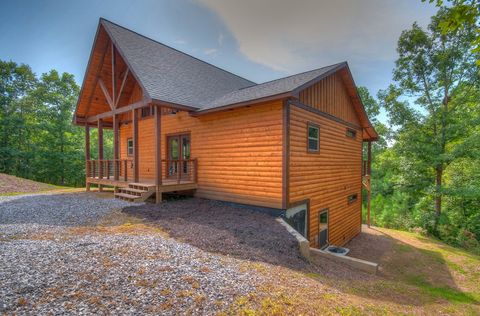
(30, 213)
(118, 274)
(51, 264)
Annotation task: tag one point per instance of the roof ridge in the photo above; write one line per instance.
(300, 73)
(179, 51)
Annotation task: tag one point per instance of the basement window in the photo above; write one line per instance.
(130, 147)
(297, 218)
(351, 133)
(352, 198)
(313, 138)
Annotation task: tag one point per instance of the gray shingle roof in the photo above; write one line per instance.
(270, 88)
(171, 76)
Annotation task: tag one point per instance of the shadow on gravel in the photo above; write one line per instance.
(237, 231)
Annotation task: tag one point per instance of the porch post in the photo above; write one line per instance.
(116, 162)
(369, 170)
(135, 145)
(158, 151)
(100, 152)
(87, 156)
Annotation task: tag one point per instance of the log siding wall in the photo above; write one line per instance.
(330, 96)
(239, 151)
(326, 178)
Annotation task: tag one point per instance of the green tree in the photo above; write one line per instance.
(60, 156)
(462, 14)
(433, 71)
(17, 117)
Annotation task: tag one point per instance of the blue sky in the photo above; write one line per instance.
(257, 39)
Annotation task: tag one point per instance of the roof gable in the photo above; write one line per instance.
(169, 75)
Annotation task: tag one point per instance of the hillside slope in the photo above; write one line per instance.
(418, 275)
(11, 185)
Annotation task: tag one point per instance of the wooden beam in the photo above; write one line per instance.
(123, 109)
(87, 155)
(369, 158)
(369, 187)
(105, 93)
(100, 151)
(158, 150)
(135, 145)
(100, 67)
(82, 121)
(87, 141)
(114, 79)
(116, 149)
(121, 87)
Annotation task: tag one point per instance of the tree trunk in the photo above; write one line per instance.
(438, 194)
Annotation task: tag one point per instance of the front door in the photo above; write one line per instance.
(323, 228)
(178, 155)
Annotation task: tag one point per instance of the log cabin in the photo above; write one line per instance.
(293, 145)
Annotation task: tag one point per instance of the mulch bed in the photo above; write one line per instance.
(224, 228)
(232, 230)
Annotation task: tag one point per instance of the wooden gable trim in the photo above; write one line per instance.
(122, 54)
(124, 79)
(310, 83)
(358, 105)
(90, 58)
(354, 96)
(114, 78)
(105, 92)
(99, 69)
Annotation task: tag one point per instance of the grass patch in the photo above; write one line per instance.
(446, 293)
(403, 248)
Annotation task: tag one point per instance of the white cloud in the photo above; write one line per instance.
(291, 36)
(210, 51)
(220, 39)
(181, 42)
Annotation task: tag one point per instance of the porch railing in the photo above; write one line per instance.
(109, 169)
(179, 170)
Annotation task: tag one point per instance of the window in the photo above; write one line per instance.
(351, 133)
(297, 218)
(130, 147)
(352, 198)
(313, 135)
(146, 112)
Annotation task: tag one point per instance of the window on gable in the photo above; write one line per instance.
(146, 111)
(351, 133)
(352, 198)
(130, 147)
(313, 138)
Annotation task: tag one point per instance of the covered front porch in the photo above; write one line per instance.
(177, 175)
(140, 163)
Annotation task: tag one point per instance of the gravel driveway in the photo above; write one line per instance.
(51, 263)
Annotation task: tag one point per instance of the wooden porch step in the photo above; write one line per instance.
(129, 197)
(126, 190)
(145, 185)
(136, 192)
